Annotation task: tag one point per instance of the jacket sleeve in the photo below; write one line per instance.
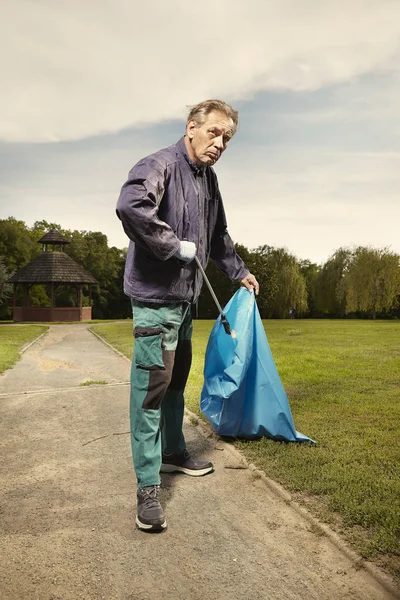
(223, 251)
(137, 208)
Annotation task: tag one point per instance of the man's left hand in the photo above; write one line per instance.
(251, 283)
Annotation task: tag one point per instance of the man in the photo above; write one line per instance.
(171, 209)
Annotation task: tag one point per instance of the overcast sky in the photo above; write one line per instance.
(88, 88)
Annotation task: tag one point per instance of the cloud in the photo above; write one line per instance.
(314, 201)
(78, 69)
(309, 199)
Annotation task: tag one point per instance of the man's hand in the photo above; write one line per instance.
(186, 251)
(251, 283)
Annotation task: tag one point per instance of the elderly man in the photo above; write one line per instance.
(171, 209)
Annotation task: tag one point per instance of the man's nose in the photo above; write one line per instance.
(219, 142)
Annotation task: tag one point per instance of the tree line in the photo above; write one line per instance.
(362, 282)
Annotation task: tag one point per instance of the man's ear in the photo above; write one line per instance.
(190, 129)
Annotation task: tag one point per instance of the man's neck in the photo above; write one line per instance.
(189, 150)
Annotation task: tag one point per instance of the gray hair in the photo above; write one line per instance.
(199, 112)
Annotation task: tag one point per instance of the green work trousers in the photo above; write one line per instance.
(162, 356)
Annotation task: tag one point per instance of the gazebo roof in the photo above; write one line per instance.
(53, 236)
(52, 267)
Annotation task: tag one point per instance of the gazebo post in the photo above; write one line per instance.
(52, 294)
(79, 290)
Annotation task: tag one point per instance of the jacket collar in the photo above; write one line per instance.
(195, 168)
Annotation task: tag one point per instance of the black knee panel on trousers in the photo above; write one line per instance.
(182, 364)
(159, 380)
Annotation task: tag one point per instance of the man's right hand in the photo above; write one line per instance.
(186, 252)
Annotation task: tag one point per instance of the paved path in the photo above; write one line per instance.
(67, 501)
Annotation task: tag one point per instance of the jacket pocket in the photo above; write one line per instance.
(148, 348)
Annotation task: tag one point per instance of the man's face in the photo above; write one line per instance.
(208, 141)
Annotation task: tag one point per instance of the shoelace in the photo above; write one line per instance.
(150, 496)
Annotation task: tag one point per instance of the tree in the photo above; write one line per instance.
(260, 265)
(282, 285)
(327, 297)
(223, 287)
(41, 227)
(118, 305)
(371, 283)
(90, 249)
(310, 272)
(291, 285)
(16, 244)
(5, 288)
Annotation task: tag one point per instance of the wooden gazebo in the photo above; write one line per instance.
(53, 268)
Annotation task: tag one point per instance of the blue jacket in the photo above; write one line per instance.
(158, 207)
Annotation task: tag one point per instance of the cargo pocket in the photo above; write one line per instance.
(148, 348)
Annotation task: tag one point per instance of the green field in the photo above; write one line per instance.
(343, 383)
(12, 339)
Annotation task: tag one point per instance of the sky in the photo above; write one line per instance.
(89, 88)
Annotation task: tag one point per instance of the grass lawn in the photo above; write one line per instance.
(119, 335)
(13, 339)
(342, 379)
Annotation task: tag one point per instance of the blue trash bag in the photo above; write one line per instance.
(242, 394)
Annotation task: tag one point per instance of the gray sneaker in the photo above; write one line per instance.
(184, 463)
(150, 516)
